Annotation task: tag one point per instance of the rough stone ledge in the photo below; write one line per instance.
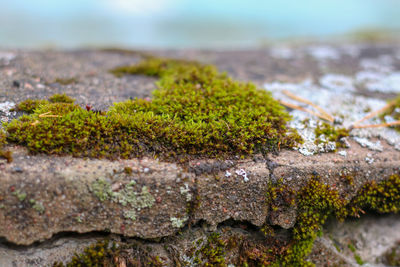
(41, 196)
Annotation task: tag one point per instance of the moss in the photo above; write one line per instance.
(96, 255)
(61, 98)
(393, 111)
(66, 81)
(327, 132)
(102, 254)
(20, 195)
(4, 153)
(392, 257)
(358, 259)
(211, 252)
(316, 201)
(196, 111)
(30, 105)
(128, 170)
(382, 197)
(351, 247)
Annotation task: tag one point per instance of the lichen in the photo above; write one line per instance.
(130, 214)
(127, 196)
(196, 111)
(101, 189)
(178, 222)
(38, 206)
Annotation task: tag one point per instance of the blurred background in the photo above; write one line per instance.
(225, 24)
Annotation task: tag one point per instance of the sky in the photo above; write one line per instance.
(186, 24)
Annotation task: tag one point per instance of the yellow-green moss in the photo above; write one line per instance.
(196, 111)
(61, 98)
(393, 111)
(317, 201)
(30, 105)
(330, 133)
(211, 252)
(102, 254)
(392, 257)
(66, 81)
(4, 153)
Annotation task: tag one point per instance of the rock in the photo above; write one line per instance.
(43, 196)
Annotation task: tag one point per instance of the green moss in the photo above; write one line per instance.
(61, 98)
(317, 201)
(328, 132)
(20, 195)
(351, 247)
(4, 153)
(393, 111)
(196, 111)
(212, 252)
(382, 197)
(392, 257)
(97, 255)
(358, 259)
(66, 81)
(102, 254)
(30, 105)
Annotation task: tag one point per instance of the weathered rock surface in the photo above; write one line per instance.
(42, 196)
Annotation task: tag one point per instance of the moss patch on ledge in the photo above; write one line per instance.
(196, 111)
(393, 113)
(6, 154)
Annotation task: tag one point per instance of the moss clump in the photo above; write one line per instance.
(61, 98)
(4, 153)
(382, 197)
(212, 252)
(392, 257)
(196, 111)
(357, 257)
(66, 81)
(30, 105)
(331, 133)
(316, 201)
(102, 254)
(393, 111)
(97, 255)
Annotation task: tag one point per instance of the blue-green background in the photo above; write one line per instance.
(187, 24)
